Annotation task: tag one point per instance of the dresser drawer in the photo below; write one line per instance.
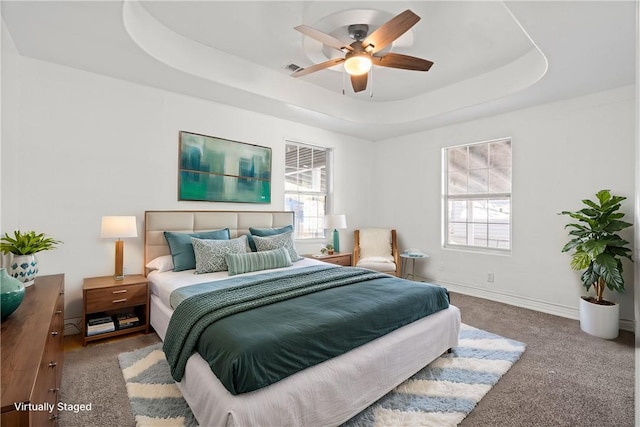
(116, 297)
(47, 389)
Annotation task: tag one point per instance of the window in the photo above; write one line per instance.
(305, 187)
(477, 195)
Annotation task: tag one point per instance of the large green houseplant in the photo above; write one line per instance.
(23, 246)
(599, 250)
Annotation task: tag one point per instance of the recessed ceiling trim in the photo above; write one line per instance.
(200, 60)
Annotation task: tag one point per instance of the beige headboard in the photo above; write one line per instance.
(238, 223)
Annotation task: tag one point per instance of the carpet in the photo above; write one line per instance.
(441, 394)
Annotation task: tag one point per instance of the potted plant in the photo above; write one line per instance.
(327, 250)
(23, 247)
(599, 250)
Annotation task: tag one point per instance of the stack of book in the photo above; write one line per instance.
(126, 320)
(100, 325)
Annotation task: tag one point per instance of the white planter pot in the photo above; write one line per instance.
(24, 268)
(599, 320)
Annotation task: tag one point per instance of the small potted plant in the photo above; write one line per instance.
(599, 250)
(327, 250)
(23, 247)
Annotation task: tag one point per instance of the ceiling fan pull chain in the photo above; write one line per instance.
(344, 76)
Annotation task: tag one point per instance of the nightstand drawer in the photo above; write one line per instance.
(343, 260)
(116, 297)
(338, 258)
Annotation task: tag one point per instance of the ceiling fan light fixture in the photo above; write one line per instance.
(358, 64)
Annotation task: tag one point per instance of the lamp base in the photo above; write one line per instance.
(336, 240)
(119, 274)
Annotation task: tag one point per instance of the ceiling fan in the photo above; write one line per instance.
(365, 50)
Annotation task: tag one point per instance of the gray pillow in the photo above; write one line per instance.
(256, 261)
(210, 254)
(264, 232)
(283, 240)
(182, 250)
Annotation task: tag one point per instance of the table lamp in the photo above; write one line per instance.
(119, 227)
(335, 221)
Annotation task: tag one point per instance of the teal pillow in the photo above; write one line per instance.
(256, 261)
(264, 232)
(182, 249)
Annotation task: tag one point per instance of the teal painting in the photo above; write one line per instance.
(220, 170)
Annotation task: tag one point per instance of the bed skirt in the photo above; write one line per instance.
(326, 394)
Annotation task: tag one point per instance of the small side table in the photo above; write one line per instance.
(338, 258)
(109, 296)
(411, 256)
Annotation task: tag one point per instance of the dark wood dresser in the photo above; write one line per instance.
(32, 355)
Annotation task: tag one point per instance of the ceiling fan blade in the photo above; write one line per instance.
(389, 31)
(405, 62)
(359, 83)
(317, 67)
(324, 38)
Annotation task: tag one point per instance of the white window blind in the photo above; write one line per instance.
(477, 195)
(305, 187)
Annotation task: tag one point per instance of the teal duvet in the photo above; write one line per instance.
(254, 331)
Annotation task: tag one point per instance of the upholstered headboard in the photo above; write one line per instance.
(238, 223)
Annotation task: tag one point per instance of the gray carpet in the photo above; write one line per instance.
(565, 378)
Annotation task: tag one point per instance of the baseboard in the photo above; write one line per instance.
(524, 302)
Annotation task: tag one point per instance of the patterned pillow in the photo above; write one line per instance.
(283, 240)
(210, 254)
(264, 232)
(256, 261)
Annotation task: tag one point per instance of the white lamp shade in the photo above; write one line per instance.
(336, 221)
(118, 227)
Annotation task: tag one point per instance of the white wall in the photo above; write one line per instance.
(77, 146)
(8, 95)
(562, 153)
(89, 146)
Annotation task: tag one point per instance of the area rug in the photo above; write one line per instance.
(440, 395)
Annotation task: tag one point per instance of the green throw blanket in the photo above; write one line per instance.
(196, 313)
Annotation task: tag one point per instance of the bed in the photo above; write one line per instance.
(327, 393)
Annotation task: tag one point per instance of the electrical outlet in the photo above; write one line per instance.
(490, 277)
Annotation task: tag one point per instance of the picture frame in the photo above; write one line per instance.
(215, 169)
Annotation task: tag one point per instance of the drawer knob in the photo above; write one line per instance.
(119, 300)
(53, 417)
(121, 291)
(54, 390)
(58, 311)
(54, 333)
(53, 364)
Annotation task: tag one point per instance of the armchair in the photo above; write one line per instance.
(376, 249)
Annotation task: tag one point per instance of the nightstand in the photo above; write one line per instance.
(105, 296)
(338, 258)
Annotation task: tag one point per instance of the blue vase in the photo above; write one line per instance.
(11, 293)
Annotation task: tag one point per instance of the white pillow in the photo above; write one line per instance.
(162, 263)
(375, 242)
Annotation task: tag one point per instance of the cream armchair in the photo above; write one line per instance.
(376, 249)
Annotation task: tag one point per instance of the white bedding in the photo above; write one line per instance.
(323, 395)
(162, 284)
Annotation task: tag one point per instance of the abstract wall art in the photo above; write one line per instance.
(220, 170)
